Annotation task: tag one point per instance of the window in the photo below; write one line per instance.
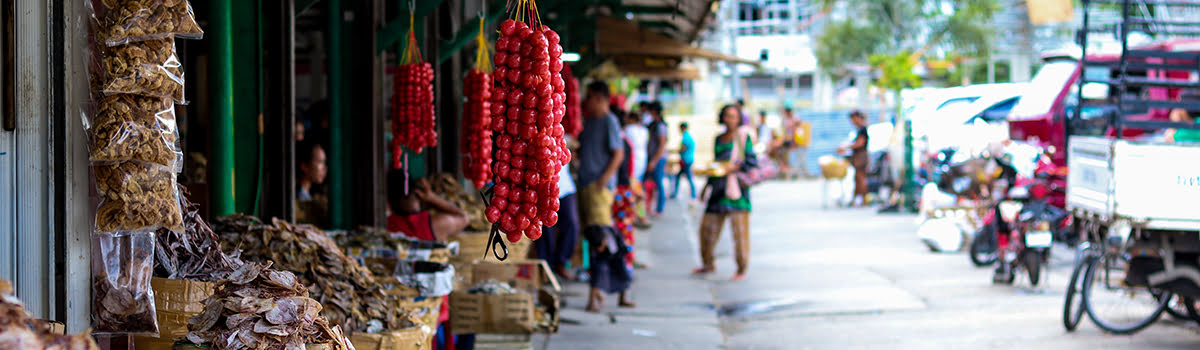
(954, 102)
(997, 112)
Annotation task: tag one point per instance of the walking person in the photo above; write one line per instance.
(687, 157)
(601, 151)
(656, 168)
(858, 158)
(726, 199)
(799, 137)
(638, 138)
(557, 244)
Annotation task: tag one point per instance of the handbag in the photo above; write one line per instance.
(746, 177)
(742, 178)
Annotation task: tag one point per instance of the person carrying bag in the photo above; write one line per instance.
(728, 197)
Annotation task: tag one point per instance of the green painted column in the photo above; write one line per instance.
(221, 164)
(246, 55)
(337, 146)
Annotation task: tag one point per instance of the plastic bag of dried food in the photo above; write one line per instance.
(126, 21)
(135, 196)
(148, 68)
(123, 302)
(131, 127)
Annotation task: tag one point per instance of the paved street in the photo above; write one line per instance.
(831, 279)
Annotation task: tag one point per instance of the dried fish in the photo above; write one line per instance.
(193, 253)
(351, 297)
(20, 330)
(123, 301)
(265, 314)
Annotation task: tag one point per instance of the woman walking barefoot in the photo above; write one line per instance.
(724, 201)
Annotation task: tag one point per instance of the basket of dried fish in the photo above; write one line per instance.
(352, 296)
(368, 242)
(262, 308)
(415, 337)
(20, 330)
(429, 279)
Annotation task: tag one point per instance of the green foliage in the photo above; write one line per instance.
(891, 26)
(846, 42)
(895, 71)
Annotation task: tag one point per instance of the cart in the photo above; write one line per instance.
(1130, 197)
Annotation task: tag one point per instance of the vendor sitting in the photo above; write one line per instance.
(418, 212)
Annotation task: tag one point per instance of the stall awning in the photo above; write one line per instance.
(682, 20)
(618, 37)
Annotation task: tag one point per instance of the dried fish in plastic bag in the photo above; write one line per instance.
(126, 21)
(123, 302)
(149, 68)
(136, 195)
(262, 308)
(132, 127)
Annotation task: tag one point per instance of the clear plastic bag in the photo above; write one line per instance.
(123, 303)
(131, 127)
(148, 68)
(127, 21)
(136, 196)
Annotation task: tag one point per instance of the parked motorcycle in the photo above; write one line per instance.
(1034, 224)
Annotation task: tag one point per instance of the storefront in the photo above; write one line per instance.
(262, 67)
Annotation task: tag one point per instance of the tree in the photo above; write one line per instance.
(892, 36)
(916, 26)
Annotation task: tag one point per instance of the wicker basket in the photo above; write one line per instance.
(833, 167)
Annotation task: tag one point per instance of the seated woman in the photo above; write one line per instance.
(419, 213)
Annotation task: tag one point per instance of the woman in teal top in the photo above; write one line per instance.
(720, 207)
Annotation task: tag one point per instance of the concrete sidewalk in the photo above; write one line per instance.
(674, 310)
(831, 279)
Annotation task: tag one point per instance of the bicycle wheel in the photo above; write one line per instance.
(1114, 306)
(1073, 306)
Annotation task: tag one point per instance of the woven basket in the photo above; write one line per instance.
(833, 167)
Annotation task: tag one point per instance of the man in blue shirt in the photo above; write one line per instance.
(687, 157)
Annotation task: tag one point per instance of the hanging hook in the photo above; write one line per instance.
(412, 6)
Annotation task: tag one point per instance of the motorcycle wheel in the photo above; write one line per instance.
(1073, 306)
(1033, 264)
(1115, 307)
(1177, 307)
(983, 248)
(1190, 305)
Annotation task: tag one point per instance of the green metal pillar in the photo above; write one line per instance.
(247, 89)
(220, 35)
(337, 146)
(908, 195)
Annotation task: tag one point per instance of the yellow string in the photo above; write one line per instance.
(482, 58)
